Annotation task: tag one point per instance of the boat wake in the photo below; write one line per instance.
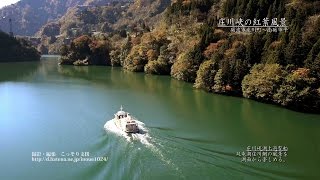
(143, 137)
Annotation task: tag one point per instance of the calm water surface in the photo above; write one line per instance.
(192, 134)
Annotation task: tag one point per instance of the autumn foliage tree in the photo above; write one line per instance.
(86, 50)
(263, 81)
(298, 90)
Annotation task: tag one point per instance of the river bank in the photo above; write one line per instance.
(293, 89)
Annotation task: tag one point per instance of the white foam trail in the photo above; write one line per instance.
(143, 137)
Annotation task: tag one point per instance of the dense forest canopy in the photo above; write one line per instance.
(12, 49)
(181, 38)
(85, 50)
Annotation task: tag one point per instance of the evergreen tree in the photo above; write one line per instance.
(254, 48)
(219, 86)
(242, 7)
(207, 36)
(240, 70)
(250, 10)
(228, 8)
(292, 52)
(295, 52)
(315, 68)
(312, 54)
(270, 13)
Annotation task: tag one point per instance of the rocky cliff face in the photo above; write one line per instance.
(28, 16)
(97, 16)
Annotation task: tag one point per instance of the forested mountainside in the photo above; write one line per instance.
(113, 17)
(13, 50)
(28, 16)
(274, 67)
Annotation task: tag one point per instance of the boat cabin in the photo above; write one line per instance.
(121, 114)
(125, 122)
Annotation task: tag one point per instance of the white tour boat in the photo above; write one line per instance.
(125, 122)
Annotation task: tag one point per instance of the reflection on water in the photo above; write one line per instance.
(213, 127)
(191, 134)
(15, 71)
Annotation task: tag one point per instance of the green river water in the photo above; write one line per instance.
(55, 111)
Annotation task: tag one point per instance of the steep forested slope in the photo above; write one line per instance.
(109, 18)
(276, 67)
(29, 16)
(12, 49)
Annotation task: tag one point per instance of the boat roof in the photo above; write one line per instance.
(121, 112)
